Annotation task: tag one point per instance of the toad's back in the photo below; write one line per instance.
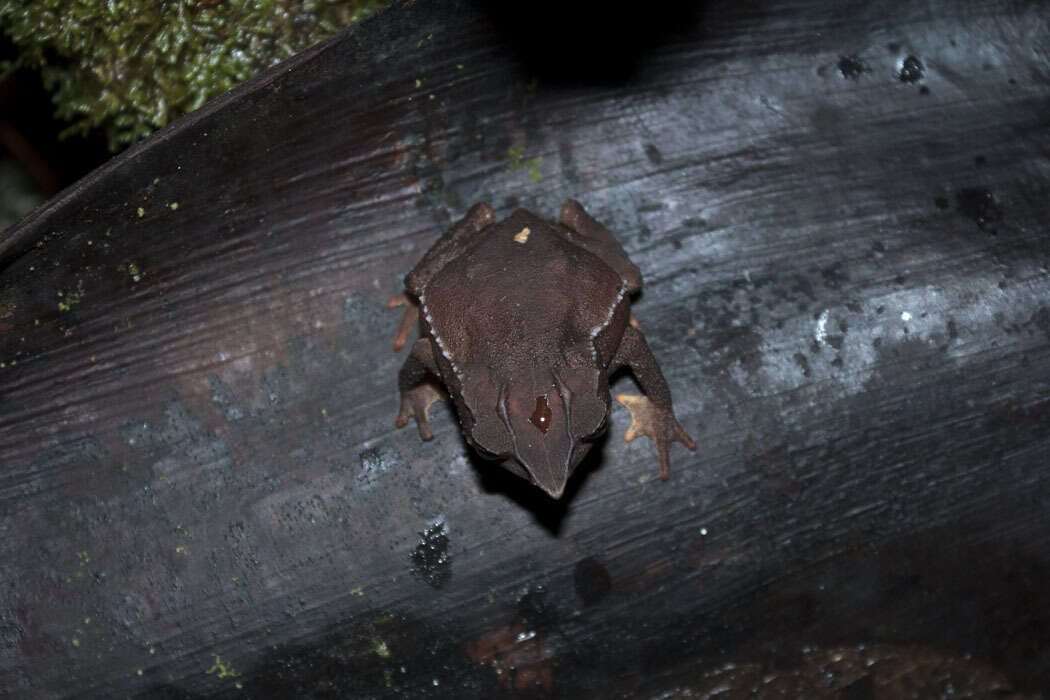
(522, 292)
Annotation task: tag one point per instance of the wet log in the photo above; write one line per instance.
(840, 211)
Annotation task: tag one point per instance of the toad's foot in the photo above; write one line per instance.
(658, 424)
(416, 403)
(407, 321)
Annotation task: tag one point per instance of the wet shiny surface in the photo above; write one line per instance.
(847, 282)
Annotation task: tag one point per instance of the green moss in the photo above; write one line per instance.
(131, 66)
(518, 162)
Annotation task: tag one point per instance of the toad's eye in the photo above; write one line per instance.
(541, 417)
(600, 430)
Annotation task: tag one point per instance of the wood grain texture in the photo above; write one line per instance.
(201, 489)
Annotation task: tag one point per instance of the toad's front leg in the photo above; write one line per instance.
(419, 387)
(652, 414)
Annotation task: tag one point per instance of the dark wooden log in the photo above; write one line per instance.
(840, 210)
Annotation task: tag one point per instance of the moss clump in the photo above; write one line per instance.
(517, 160)
(131, 66)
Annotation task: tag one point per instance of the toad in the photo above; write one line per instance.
(523, 321)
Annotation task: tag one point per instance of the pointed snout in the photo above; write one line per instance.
(554, 492)
(548, 471)
(541, 439)
(547, 457)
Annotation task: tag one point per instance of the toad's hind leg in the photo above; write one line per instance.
(595, 238)
(449, 246)
(408, 319)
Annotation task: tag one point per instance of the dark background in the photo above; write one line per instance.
(840, 211)
(30, 136)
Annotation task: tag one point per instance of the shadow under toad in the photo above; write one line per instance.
(547, 511)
